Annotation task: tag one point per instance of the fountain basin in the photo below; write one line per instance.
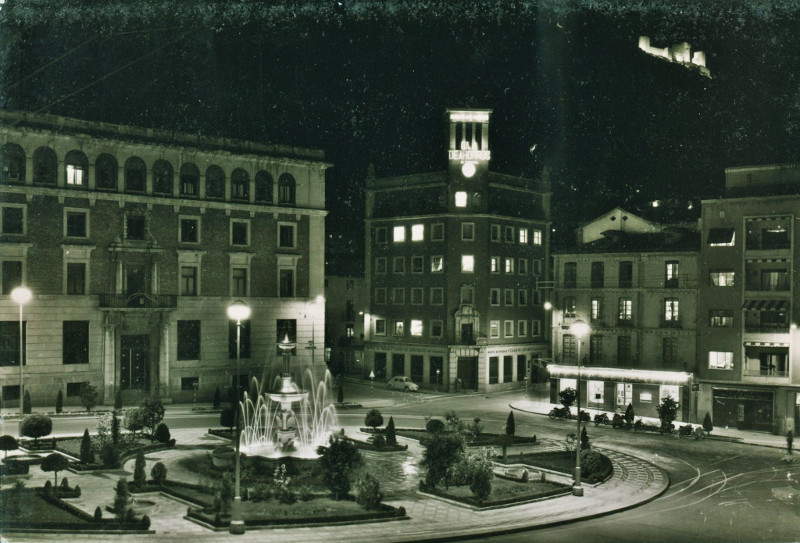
(223, 457)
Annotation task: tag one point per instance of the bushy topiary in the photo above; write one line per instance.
(109, 455)
(139, 477)
(36, 426)
(121, 496)
(481, 484)
(373, 418)
(145, 522)
(511, 426)
(667, 412)
(65, 483)
(379, 442)
(337, 461)
(434, 426)
(368, 492)
(162, 434)
(55, 462)
(159, 473)
(98, 513)
(707, 424)
(584, 439)
(8, 443)
(87, 453)
(76, 492)
(60, 402)
(591, 462)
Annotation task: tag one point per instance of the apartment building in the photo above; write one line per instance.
(345, 306)
(634, 283)
(455, 265)
(134, 242)
(748, 368)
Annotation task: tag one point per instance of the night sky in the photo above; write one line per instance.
(369, 82)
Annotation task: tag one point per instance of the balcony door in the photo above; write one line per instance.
(135, 284)
(135, 362)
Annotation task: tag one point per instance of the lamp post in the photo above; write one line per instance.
(371, 382)
(238, 311)
(578, 328)
(438, 381)
(21, 296)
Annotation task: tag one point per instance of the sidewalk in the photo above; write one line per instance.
(762, 439)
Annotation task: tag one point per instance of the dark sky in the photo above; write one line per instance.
(370, 82)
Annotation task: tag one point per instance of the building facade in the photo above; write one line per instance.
(749, 370)
(455, 262)
(346, 303)
(635, 286)
(134, 242)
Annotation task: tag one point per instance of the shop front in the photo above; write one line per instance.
(744, 409)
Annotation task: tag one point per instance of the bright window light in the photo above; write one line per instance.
(417, 232)
(399, 234)
(416, 328)
(461, 199)
(467, 263)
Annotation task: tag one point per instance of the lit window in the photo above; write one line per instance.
(494, 329)
(721, 237)
(720, 319)
(720, 360)
(417, 232)
(537, 237)
(416, 327)
(494, 264)
(399, 234)
(625, 313)
(671, 310)
(509, 265)
(74, 175)
(437, 263)
(596, 308)
(523, 235)
(399, 328)
(461, 199)
(722, 278)
(467, 263)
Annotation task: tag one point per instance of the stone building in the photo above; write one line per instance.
(134, 242)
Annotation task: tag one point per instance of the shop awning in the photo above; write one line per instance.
(720, 236)
(620, 374)
(765, 305)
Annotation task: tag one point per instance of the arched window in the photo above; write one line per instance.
(13, 162)
(215, 182)
(76, 167)
(44, 166)
(135, 174)
(190, 180)
(264, 187)
(286, 193)
(162, 177)
(105, 172)
(240, 185)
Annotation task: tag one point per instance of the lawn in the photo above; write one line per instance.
(72, 445)
(562, 462)
(29, 508)
(255, 469)
(504, 492)
(481, 440)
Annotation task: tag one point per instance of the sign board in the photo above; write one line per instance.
(695, 387)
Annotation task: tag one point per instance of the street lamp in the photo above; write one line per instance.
(21, 296)
(578, 329)
(438, 381)
(371, 382)
(238, 311)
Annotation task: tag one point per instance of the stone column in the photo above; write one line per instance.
(29, 169)
(109, 361)
(163, 361)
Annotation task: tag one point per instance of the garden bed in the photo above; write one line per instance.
(369, 446)
(316, 511)
(562, 462)
(481, 440)
(504, 492)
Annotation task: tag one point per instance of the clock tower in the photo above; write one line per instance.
(468, 156)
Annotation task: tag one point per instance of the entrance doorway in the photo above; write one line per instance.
(468, 372)
(135, 362)
(135, 284)
(743, 409)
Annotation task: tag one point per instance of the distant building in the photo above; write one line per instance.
(456, 262)
(634, 282)
(346, 303)
(748, 305)
(134, 242)
(680, 53)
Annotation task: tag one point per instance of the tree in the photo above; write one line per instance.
(55, 462)
(584, 439)
(434, 426)
(667, 412)
(368, 492)
(121, 499)
(159, 473)
(118, 400)
(115, 431)
(337, 460)
(441, 453)
(87, 454)
(482, 474)
(8, 443)
(139, 477)
(88, 394)
(26, 403)
(217, 398)
(504, 440)
(707, 424)
(133, 421)
(511, 427)
(36, 426)
(152, 412)
(453, 422)
(629, 414)
(162, 434)
(567, 397)
(227, 418)
(373, 418)
(391, 433)
(60, 402)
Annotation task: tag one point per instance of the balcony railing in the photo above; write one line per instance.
(767, 328)
(139, 301)
(765, 373)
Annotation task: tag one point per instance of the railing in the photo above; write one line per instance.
(139, 301)
(765, 373)
(767, 329)
(666, 323)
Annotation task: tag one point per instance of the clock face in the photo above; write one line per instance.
(468, 169)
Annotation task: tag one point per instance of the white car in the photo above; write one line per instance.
(403, 383)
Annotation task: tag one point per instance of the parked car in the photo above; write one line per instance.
(403, 383)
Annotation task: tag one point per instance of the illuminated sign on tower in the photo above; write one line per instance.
(469, 139)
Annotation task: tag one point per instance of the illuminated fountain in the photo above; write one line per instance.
(288, 421)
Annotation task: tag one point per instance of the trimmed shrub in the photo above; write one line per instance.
(134, 421)
(584, 439)
(55, 462)
(368, 492)
(48, 487)
(441, 453)
(162, 434)
(629, 414)
(667, 412)
(280, 483)
(139, 477)
(121, 496)
(8, 443)
(26, 403)
(87, 453)
(109, 455)
(373, 418)
(434, 426)
(304, 493)
(707, 424)
(591, 462)
(217, 398)
(481, 485)
(379, 442)
(145, 522)
(511, 427)
(36, 426)
(567, 397)
(159, 473)
(98, 513)
(337, 461)
(152, 412)
(77, 491)
(64, 483)
(391, 433)
(261, 491)
(60, 402)
(88, 395)
(227, 418)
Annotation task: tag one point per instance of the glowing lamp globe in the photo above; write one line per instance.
(579, 328)
(238, 311)
(21, 295)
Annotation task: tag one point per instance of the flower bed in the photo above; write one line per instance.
(504, 492)
(562, 462)
(369, 446)
(481, 440)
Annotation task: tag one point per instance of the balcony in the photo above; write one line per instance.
(670, 323)
(138, 301)
(766, 328)
(765, 373)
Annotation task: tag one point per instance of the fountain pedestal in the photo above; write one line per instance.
(286, 396)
